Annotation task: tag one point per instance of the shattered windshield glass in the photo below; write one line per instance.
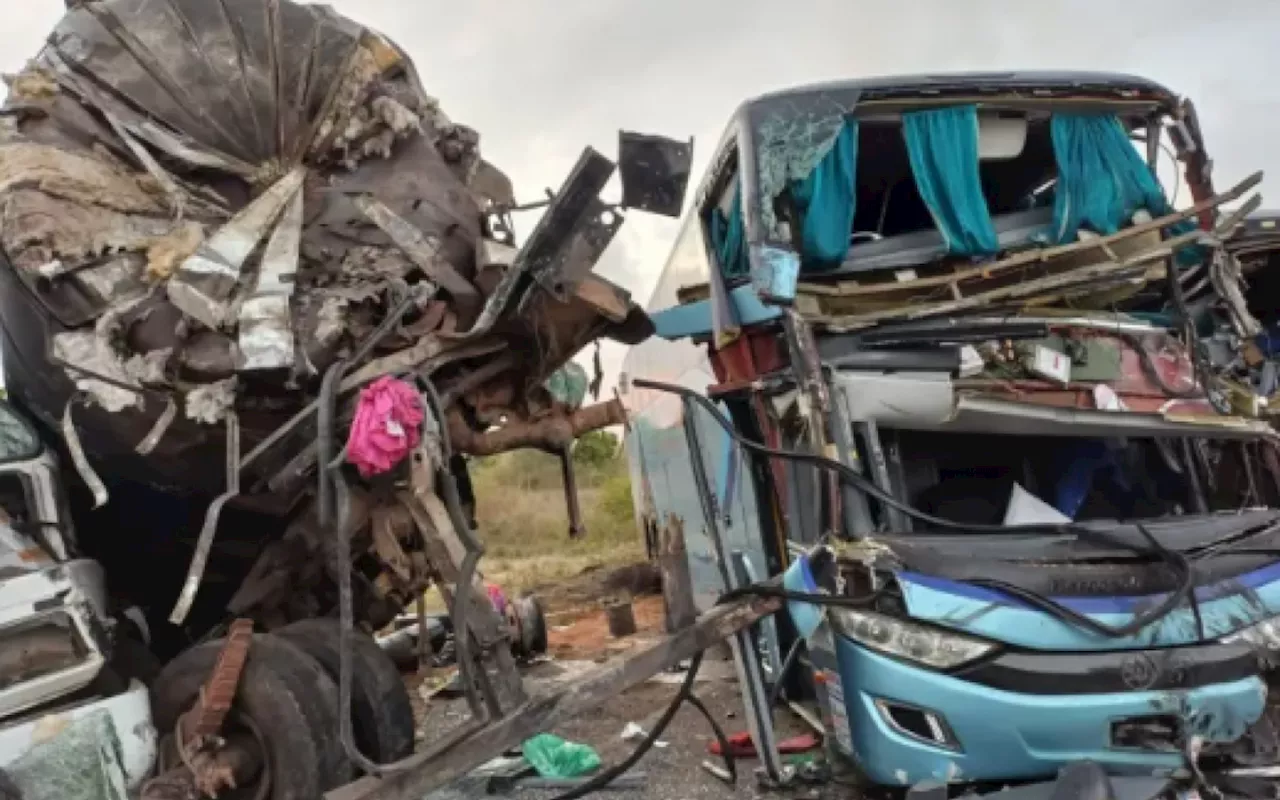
(18, 442)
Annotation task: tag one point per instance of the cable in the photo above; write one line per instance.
(330, 481)
(684, 695)
(474, 549)
(775, 691)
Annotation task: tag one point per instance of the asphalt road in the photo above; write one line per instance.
(673, 772)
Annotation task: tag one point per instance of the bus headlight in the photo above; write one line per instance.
(927, 646)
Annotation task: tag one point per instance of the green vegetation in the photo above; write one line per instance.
(524, 522)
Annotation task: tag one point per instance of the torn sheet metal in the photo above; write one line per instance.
(654, 171)
(157, 432)
(71, 438)
(204, 543)
(425, 252)
(266, 324)
(205, 283)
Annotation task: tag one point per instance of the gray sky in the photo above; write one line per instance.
(542, 78)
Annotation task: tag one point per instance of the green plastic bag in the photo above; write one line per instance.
(553, 757)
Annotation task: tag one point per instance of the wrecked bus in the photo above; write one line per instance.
(951, 334)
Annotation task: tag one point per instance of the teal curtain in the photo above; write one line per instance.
(943, 147)
(826, 201)
(728, 237)
(1102, 179)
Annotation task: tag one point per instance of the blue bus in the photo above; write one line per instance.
(952, 333)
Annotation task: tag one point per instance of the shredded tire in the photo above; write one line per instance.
(381, 713)
(286, 695)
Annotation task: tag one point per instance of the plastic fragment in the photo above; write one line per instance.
(554, 757)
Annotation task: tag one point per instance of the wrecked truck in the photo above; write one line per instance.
(262, 298)
(944, 348)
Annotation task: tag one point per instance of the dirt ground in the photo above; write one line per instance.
(579, 641)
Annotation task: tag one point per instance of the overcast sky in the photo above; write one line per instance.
(542, 78)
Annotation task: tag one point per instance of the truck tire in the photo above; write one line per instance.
(285, 695)
(381, 714)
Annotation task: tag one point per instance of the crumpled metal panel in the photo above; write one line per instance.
(204, 284)
(266, 323)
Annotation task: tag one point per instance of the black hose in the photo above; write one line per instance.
(331, 481)
(685, 695)
(474, 551)
(853, 478)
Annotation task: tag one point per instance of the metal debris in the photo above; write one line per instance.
(203, 286)
(266, 326)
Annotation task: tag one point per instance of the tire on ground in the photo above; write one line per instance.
(286, 695)
(381, 714)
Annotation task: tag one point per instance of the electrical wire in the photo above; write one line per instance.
(684, 695)
(474, 549)
(775, 691)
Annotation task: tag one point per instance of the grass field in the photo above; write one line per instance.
(524, 522)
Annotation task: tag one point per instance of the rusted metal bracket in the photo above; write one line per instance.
(577, 527)
(551, 433)
(219, 691)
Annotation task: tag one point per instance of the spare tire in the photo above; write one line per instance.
(381, 714)
(284, 695)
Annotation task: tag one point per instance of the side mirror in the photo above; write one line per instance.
(654, 171)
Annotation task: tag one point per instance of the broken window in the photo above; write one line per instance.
(984, 479)
(965, 182)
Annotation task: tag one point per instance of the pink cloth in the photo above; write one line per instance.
(386, 426)
(497, 597)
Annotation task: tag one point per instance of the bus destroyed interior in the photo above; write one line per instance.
(955, 333)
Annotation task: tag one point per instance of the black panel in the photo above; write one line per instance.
(1126, 671)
